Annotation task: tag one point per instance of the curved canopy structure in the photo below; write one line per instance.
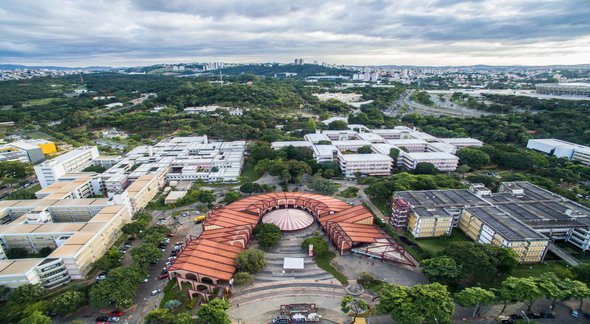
(288, 219)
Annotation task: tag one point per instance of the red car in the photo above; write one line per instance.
(116, 313)
(171, 235)
(164, 276)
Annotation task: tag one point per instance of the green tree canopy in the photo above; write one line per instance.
(320, 246)
(231, 196)
(26, 294)
(525, 290)
(421, 303)
(322, 186)
(68, 302)
(474, 296)
(251, 260)
(441, 269)
(145, 253)
(36, 318)
(268, 235)
(215, 311)
(425, 168)
(354, 306)
(473, 157)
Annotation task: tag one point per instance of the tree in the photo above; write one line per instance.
(552, 287)
(133, 228)
(394, 154)
(251, 260)
(26, 294)
(250, 188)
(582, 272)
(441, 269)
(524, 290)
(268, 235)
(145, 253)
(421, 303)
(231, 196)
(243, 279)
(13, 171)
(578, 290)
(173, 303)
(36, 318)
(320, 246)
(322, 186)
(68, 302)
(365, 150)
(261, 150)
(17, 253)
(159, 316)
(474, 296)
(215, 311)
(109, 260)
(473, 157)
(462, 169)
(353, 305)
(425, 168)
(338, 125)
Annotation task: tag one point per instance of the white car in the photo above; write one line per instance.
(155, 292)
(114, 319)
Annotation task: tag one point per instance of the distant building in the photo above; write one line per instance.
(413, 147)
(298, 61)
(561, 149)
(564, 89)
(27, 151)
(113, 105)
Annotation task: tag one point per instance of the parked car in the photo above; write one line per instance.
(547, 315)
(113, 319)
(147, 278)
(156, 291)
(164, 276)
(171, 235)
(102, 319)
(164, 271)
(533, 315)
(116, 313)
(574, 313)
(101, 276)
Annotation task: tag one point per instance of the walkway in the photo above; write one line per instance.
(371, 205)
(274, 286)
(563, 255)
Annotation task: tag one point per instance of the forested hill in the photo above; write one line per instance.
(270, 70)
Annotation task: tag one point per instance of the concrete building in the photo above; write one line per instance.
(520, 216)
(413, 147)
(27, 151)
(174, 196)
(564, 89)
(561, 149)
(76, 160)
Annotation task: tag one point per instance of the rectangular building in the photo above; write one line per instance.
(76, 160)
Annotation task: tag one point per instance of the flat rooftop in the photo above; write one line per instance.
(505, 224)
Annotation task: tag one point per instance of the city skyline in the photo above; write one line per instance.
(433, 33)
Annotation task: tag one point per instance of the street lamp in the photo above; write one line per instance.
(528, 320)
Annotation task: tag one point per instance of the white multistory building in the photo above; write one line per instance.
(379, 145)
(76, 160)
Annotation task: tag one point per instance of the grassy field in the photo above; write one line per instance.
(323, 263)
(36, 102)
(249, 173)
(171, 292)
(534, 270)
(433, 246)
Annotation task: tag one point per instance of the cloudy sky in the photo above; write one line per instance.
(421, 32)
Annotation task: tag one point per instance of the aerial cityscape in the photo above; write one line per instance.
(220, 162)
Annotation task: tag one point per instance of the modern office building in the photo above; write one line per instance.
(520, 216)
(564, 89)
(561, 149)
(76, 160)
(27, 151)
(412, 146)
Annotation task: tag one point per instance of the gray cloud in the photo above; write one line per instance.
(437, 32)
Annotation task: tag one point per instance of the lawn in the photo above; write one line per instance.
(171, 292)
(323, 263)
(435, 245)
(535, 270)
(36, 102)
(249, 173)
